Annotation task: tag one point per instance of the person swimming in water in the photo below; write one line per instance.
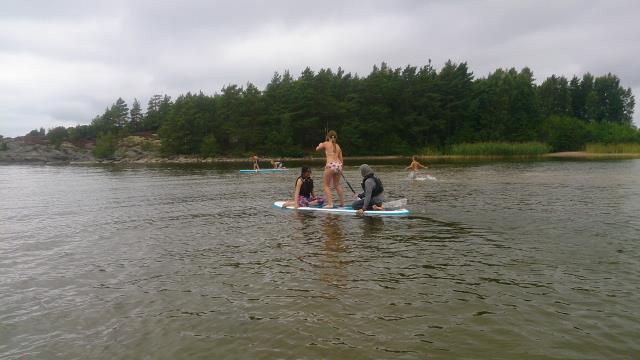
(304, 195)
(333, 168)
(414, 167)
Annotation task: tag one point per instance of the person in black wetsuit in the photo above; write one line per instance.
(304, 196)
(373, 192)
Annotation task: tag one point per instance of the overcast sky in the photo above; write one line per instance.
(63, 62)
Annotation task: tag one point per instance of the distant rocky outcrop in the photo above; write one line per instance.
(137, 149)
(38, 150)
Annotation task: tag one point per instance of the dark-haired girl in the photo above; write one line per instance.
(304, 196)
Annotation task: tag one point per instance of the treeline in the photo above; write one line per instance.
(389, 111)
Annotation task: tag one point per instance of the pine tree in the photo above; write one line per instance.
(135, 115)
(120, 113)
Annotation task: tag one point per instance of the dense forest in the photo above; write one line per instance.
(389, 111)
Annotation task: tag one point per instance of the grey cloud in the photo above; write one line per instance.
(88, 54)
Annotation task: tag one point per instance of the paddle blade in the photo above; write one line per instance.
(395, 204)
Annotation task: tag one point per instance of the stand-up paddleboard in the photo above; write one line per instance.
(263, 170)
(346, 210)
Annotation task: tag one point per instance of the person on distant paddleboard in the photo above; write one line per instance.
(277, 164)
(333, 168)
(415, 165)
(373, 192)
(304, 196)
(255, 162)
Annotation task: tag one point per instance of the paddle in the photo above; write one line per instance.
(347, 181)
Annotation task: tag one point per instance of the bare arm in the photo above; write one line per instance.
(320, 146)
(340, 157)
(296, 194)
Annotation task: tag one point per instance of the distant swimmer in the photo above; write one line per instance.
(333, 168)
(415, 165)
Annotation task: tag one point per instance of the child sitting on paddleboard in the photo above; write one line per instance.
(304, 196)
(277, 164)
(415, 165)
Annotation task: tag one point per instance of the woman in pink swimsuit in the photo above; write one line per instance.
(332, 169)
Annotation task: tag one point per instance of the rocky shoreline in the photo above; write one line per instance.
(130, 150)
(26, 150)
(139, 150)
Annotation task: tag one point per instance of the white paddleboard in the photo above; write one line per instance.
(346, 210)
(263, 170)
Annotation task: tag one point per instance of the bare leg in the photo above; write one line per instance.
(336, 184)
(327, 188)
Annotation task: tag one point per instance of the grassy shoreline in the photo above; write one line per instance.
(615, 148)
(569, 155)
(132, 150)
(592, 155)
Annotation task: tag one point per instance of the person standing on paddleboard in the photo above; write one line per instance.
(373, 192)
(332, 169)
(255, 162)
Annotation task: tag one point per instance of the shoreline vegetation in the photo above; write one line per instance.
(445, 113)
(141, 150)
(185, 159)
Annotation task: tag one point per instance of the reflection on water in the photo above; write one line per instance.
(371, 226)
(498, 260)
(334, 247)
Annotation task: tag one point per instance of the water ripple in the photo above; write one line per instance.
(504, 260)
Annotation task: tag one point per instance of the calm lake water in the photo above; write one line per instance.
(498, 260)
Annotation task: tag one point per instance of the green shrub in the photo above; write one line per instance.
(393, 144)
(430, 151)
(619, 148)
(612, 133)
(565, 133)
(280, 143)
(105, 146)
(499, 149)
(148, 145)
(209, 146)
(120, 153)
(57, 135)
